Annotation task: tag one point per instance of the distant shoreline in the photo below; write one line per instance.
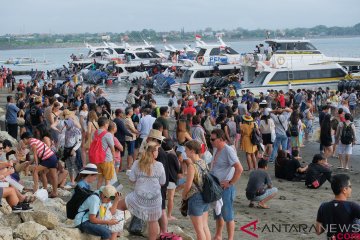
(75, 45)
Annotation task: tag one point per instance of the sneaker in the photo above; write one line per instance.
(22, 207)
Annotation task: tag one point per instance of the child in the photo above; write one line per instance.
(108, 211)
(174, 171)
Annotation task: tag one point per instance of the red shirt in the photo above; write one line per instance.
(281, 100)
(190, 110)
(40, 149)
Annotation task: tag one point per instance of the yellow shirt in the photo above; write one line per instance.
(232, 93)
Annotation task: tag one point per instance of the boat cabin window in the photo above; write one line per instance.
(202, 74)
(119, 50)
(215, 52)
(145, 55)
(308, 74)
(119, 69)
(260, 78)
(229, 50)
(110, 51)
(201, 52)
(294, 46)
(186, 76)
(132, 56)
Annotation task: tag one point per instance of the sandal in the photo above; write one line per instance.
(251, 205)
(263, 206)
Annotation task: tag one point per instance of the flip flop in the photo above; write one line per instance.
(263, 207)
(340, 167)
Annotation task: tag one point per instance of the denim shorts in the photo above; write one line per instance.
(227, 210)
(95, 229)
(51, 162)
(130, 147)
(267, 193)
(197, 206)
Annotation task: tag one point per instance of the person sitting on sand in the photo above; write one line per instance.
(293, 169)
(318, 172)
(259, 188)
(281, 161)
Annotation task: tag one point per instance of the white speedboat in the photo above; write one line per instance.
(293, 64)
(210, 54)
(197, 75)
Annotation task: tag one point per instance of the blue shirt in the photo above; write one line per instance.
(92, 204)
(84, 185)
(11, 113)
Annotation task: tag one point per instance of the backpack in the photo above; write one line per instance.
(96, 152)
(169, 236)
(347, 136)
(211, 190)
(255, 138)
(77, 199)
(294, 130)
(232, 128)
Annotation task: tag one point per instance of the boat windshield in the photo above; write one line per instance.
(154, 50)
(119, 50)
(260, 78)
(186, 76)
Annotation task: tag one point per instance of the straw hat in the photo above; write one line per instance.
(247, 118)
(156, 134)
(89, 169)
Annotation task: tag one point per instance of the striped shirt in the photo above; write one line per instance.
(40, 149)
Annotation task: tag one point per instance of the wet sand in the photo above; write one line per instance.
(292, 212)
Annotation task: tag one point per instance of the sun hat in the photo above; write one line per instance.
(108, 191)
(90, 168)
(263, 102)
(156, 134)
(247, 118)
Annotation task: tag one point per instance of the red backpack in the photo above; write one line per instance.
(97, 154)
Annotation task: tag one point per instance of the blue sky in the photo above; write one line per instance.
(77, 16)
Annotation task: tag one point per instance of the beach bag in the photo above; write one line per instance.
(294, 130)
(137, 226)
(256, 138)
(96, 152)
(169, 236)
(347, 136)
(211, 190)
(77, 199)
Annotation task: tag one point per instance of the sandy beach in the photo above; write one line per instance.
(292, 213)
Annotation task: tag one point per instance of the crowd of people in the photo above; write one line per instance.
(77, 140)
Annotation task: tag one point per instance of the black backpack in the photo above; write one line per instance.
(255, 138)
(347, 136)
(211, 190)
(293, 129)
(77, 199)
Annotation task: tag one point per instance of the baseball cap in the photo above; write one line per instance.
(108, 191)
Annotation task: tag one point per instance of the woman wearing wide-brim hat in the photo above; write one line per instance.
(246, 130)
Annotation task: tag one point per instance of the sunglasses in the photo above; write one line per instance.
(349, 186)
(1, 148)
(213, 139)
(112, 198)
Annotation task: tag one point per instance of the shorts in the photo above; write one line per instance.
(106, 169)
(267, 193)
(51, 162)
(196, 205)
(163, 197)
(171, 185)
(266, 139)
(138, 142)
(352, 107)
(227, 210)
(344, 149)
(130, 147)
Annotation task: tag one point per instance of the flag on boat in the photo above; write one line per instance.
(197, 37)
